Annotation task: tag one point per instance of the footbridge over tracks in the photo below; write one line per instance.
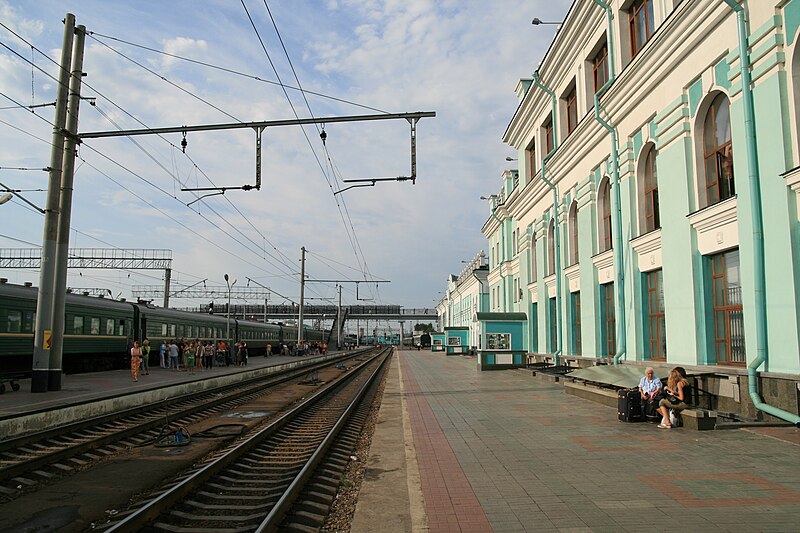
(275, 313)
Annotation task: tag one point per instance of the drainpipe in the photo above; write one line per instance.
(557, 244)
(759, 279)
(615, 199)
(502, 249)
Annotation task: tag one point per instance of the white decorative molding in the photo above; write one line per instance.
(550, 285)
(716, 227)
(793, 182)
(532, 287)
(573, 275)
(604, 263)
(648, 250)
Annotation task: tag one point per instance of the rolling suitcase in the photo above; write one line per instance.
(629, 405)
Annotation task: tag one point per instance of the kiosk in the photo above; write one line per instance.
(457, 340)
(437, 342)
(502, 340)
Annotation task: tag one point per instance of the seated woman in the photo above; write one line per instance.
(649, 387)
(677, 394)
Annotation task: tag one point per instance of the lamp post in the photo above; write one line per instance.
(538, 22)
(228, 310)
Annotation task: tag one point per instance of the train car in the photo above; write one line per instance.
(96, 330)
(257, 335)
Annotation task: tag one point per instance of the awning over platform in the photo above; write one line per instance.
(612, 376)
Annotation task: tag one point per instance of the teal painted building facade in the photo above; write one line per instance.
(656, 255)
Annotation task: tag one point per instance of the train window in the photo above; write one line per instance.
(121, 329)
(180, 330)
(94, 329)
(27, 325)
(14, 321)
(77, 325)
(172, 330)
(164, 330)
(109, 326)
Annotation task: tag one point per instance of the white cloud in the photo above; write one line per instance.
(460, 59)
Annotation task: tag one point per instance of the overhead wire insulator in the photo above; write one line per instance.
(323, 135)
(184, 143)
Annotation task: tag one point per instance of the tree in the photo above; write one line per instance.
(425, 328)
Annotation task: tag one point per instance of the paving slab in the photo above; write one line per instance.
(500, 451)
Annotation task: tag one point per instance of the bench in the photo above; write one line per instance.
(698, 419)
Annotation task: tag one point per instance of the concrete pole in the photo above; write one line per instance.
(167, 280)
(44, 303)
(339, 321)
(65, 212)
(302, 289)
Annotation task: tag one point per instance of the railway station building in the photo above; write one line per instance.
(653, 216)
(466, 295)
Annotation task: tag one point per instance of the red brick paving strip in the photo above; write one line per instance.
(450, 503)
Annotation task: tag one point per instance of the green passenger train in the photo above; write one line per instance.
(98, 331)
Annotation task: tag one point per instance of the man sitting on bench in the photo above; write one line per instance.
(649, 387)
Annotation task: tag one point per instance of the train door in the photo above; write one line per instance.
(143, 328)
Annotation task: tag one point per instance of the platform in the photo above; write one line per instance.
(502, 451)
(96, 393)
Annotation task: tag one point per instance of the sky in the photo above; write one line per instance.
(459, 58)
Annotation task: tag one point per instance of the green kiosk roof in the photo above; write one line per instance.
(501, 317)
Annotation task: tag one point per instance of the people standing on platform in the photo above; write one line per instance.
(208, 351)
(146, 357)
(190, 356)
(244, 354)
(199, 353)
(269, 350)
(136, 360)
(184, 348)
(162, 353)
(174, 353)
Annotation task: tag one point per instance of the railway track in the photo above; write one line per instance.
(282, 476)
(33, 460)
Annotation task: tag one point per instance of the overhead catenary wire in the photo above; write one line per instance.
(95, 36)
(353, 238)
(284, 261)
(354, 243)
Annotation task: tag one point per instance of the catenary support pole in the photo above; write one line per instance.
(44, 303)
(754, 188)
(167, 281)
(65, 211)
(339, 321)
(302, 293)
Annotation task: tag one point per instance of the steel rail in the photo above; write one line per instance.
(208, 399)
(284, 504)
(168, 498)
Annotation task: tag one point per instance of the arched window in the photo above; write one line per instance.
(718, 152)
(604, 208)
(573, 233)
(533, 257)
(649, 216)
